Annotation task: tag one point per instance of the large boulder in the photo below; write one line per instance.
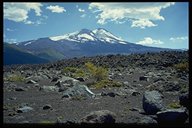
(172, 116)
(78, 91)
(102, 116)
(152, 102)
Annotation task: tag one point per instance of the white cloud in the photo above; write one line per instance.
(178, 39)
(18, 11)
(142, 23)
(56, 9)
(140, 14)
(149, 41)
(81, 10)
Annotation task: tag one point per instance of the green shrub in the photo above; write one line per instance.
(174, 105)
(16, 78)
(46, 122)
(90, 67)
(184, 88)
(106, 83)
(98, 73)
(184, 66)
(78, 98)
(79, 73)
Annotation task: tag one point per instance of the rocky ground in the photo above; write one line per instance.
(152, 91)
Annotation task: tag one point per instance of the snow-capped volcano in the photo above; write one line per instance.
(81, 43)
(86, 35)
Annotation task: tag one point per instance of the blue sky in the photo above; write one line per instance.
(163, 24)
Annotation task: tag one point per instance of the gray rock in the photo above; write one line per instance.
(62, 89)
(58, 84)
(184, 100)
(172, 116)
(31, 82)
(19, 89)
(68, 80)
(152, 102)
(144, 78)
(147, 120)
(103, 94)
(111, 94)
(80, 79)
(54, 79)
(48, 106)
(24, 109)
(78, 91)
(25, 122)
(49, 88)
(134, 109)
(126, 83)
(102, 116)
(12, 114)
(135, 93)
(12, 98)
(172, 86)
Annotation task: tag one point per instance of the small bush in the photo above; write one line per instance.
(78, 98)
(184, 88)
(46, 122)
(174, 105)
(98, 73)
(79, 73)
(184, 66)
(107, 83)
(16, 78)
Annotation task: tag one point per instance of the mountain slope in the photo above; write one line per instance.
(14, 55)
(83, 43)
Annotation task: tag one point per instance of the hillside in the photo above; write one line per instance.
(15, 55)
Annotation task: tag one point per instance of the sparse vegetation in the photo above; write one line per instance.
(98, 73)
(78, 98)
(16, 78)
(184, 88)
(174, 105)
(106, 83)
(46, 122)
(184, 66)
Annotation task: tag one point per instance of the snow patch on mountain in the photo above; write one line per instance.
(27, 43)
(86, 36)
(62, 37)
